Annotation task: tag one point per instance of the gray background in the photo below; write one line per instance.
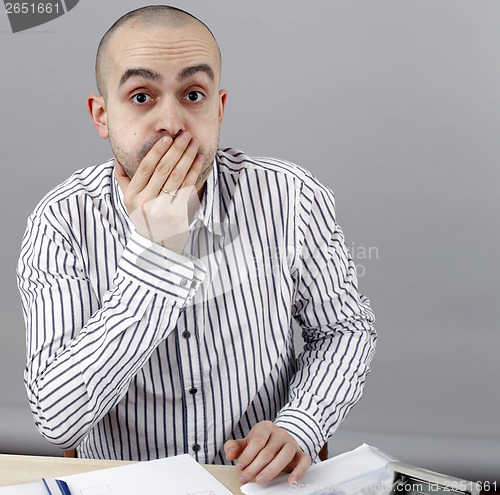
(393, 104)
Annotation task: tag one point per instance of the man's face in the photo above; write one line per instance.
(161, 81)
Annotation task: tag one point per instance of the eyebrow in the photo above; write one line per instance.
(155, 76)
(189, 71)
(140, 72)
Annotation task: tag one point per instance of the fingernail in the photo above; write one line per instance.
(260, 480)
(242, 479)
(185, 136)
(194, 142)
(240, 466)
(167, 140)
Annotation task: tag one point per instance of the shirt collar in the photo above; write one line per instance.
(209, 212)
(117, 196)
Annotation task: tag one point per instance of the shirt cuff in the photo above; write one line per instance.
(304, 427)
(166, 272)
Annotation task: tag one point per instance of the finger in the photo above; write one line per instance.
(167, 163)
(256, 440)
(178, 173)
(148, 165)
(233, 448)
(271, 460)
(187, 187)
(121, 177)
(271, 468)
(300, 469)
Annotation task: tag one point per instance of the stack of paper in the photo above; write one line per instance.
(180, 475)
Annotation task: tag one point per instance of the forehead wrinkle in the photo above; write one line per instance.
(142, 57)
(157, 48)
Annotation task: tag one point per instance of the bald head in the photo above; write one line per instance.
(152, 16)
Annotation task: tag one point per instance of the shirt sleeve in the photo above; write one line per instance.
(83, 350)
(337, 327)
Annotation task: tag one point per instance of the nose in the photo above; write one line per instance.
(169, 118)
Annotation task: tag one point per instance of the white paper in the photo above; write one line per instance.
(180, 475)
(36, 488)
(360, 471)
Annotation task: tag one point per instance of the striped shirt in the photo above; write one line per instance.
(137, 352)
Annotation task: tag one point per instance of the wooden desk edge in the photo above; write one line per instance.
(16, 469)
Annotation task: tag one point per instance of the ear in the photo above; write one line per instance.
(222, 104)
(97, 109)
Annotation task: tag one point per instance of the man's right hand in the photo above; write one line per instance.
(156, 214)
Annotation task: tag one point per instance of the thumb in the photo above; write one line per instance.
(234, 448)
(121, 177)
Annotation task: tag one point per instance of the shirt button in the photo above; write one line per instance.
(186, 334)
(193, 284)
(184, 282)
(193, 390)
(196, 447)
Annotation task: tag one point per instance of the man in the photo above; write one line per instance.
(158, 288)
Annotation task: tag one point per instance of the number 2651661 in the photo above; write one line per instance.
(32, 8)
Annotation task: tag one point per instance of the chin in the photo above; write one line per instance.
(130, 171)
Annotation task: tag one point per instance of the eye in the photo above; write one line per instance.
(141, 98)
(194, 96)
